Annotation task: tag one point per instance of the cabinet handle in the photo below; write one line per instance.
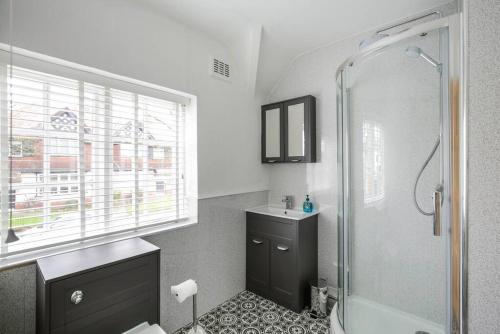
(271, 160)
(282, 248)
(77, 297)
(294, 160)
(257, 242)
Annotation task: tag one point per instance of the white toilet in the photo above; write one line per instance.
(146, 328)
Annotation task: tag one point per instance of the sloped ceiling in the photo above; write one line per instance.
(289, 27)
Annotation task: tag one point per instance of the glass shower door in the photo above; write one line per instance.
(394, 269)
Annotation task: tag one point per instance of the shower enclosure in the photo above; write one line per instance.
(399, 140)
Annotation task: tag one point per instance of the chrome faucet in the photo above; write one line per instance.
(287, 199)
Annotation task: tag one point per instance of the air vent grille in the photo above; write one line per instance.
(220, 69)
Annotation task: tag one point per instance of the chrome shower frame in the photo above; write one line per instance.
(454, 164)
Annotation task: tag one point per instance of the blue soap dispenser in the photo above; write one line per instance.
(307, 206)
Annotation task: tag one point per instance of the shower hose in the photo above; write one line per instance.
(429, 158)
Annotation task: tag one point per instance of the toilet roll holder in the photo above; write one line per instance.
(197, 329)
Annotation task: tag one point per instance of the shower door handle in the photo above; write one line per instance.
(437, 213)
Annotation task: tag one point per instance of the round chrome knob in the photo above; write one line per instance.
(77, 297)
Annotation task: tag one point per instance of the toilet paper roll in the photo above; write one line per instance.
(184, 290)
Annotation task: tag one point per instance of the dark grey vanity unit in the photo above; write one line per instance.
(289, 130)
(103, 289)
(282, 258)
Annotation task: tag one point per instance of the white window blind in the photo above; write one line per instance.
(86, 159)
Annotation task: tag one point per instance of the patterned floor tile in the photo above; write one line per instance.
(248, 313)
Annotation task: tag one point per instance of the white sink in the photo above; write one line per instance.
(282, 213)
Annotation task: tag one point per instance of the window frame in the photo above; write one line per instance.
(39, 62)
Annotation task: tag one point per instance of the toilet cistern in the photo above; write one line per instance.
(288, 200)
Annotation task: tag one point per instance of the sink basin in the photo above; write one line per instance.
(282, 213)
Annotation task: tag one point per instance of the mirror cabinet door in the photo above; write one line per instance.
(300, 129)
(296, 131)
(272, 133)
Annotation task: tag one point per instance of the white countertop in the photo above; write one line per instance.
(282, 213)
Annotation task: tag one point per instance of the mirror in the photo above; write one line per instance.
(296, 128)
(273, 144)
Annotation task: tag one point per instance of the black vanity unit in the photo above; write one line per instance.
(103, 289)
(289, 130)
(282, 258)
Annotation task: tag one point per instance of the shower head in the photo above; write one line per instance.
(416, 52)
(413, 51)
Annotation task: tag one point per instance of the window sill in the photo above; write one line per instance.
(13, 261)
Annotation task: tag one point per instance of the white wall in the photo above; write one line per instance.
(484, 166)
(126, 38)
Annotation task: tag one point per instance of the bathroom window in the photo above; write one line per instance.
(115, 152)
(373, 163)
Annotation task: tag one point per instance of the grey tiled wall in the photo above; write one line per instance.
(484, 167)
(212, 252)
(17, 300)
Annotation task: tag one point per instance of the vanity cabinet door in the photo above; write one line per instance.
(257, 263)
(283, 271)
(272, 133)
(299, 120)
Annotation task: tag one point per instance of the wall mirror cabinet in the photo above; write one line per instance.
(289, 130)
